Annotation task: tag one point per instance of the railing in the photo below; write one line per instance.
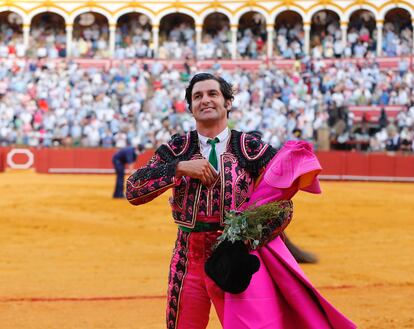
(371, 114)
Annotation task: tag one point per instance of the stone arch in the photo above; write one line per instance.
(220, 10)
(88, 9)
(362, 11)
(90, 34)
(128, 10)
(286, 12)
(133, 36)
(245, 9)
(47, 35)
(282, 9)
(50, 9)
(397, 32)
(325, 31)
(19, 11)
(361, 33)
(11, 33)
(252, 35)
(392, 5)
(182, 10)
(353, 8)
(177, 36)
(215, 40)
(289, 34)
(313, 10)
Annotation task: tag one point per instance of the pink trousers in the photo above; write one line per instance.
(190, 290)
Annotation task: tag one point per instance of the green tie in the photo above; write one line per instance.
(213, 154)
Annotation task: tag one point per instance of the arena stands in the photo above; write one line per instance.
(340, 76)
(344, 104)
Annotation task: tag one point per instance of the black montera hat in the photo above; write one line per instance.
(231, 266)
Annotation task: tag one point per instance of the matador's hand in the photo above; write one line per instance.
(200, 169)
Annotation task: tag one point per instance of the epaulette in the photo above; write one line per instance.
(179, 147)
(253, 154)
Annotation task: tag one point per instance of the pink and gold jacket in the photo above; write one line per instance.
(241, 163)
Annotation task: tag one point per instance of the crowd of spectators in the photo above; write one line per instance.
(60, 104)
(11, 42)
(215, 44)
(289, 41)
(179, 43)
(91, 42)
(46, 41)
(396, 41)
(252, 37)
(133, 39)
(251, 45)
(327, 41)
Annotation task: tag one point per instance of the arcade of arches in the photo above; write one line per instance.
(324, 33)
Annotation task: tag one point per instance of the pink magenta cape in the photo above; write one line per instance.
(279, 295)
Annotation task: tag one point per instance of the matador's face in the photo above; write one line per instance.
(208, 103)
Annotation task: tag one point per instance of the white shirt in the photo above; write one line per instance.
(205, 148)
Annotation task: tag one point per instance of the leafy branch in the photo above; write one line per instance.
(256, 225)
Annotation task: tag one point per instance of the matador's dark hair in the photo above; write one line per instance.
(225, 87)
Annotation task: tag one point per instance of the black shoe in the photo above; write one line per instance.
(119, 196)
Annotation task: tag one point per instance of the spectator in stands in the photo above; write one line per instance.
(383, 119)
(407, 139)
(393, 142)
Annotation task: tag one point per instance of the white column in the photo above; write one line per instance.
(155, 39)
(69, 35)
(344, 28)
(269, 44)
(412, 46)
(26, 36)
(199, 29)
(379, 37)
(233, 41)
(307, 28)
(112, 32)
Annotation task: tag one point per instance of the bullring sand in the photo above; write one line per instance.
(73, 258)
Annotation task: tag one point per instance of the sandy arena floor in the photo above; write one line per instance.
(71, 257)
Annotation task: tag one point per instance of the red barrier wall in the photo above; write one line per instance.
(337, 165)
(80, 160)
(69, 160)
(2, 160)
(342, 165)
